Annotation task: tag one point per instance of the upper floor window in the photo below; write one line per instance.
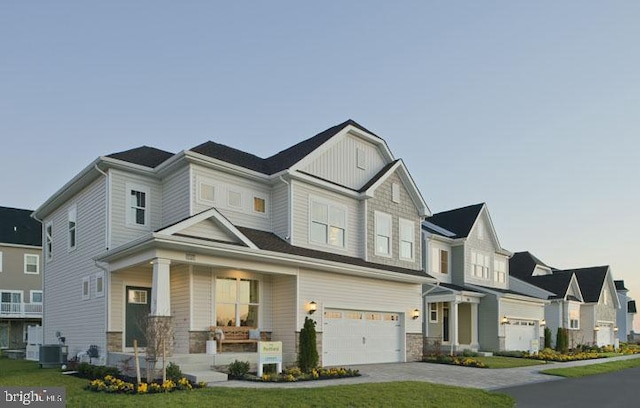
(138, 205)
(234, 199)
(48, 238)
(11, 300)
(328, 224)
(395, 192)
(407, 239)
(36, 296)
(31, 264)
(71, 218)
(259, 205)
(439, 260)
(206, 192)
(500, 270)
(237, 302)
(383, 233)
(480, 265)
(100, 284)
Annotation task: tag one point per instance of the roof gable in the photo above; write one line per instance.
(459, 221)
(18, 228)
(591, 281)
(523, 264)
(143, 156)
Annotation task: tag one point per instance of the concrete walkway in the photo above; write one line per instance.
(483, 378)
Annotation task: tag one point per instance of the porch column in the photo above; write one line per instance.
(454, 326)
(160, 291)
(474, 326)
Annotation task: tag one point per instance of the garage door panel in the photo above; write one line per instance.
(356, 337)
(518, 335)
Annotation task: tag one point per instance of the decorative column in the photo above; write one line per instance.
(160, 291)
(454, 326)
(474, 327)
(160, 329)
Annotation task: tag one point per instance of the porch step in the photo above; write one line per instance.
(485, 353)
(207, 376)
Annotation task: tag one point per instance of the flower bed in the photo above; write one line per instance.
(115, 385)
(294, 374)
(455, 360)
(552, 355)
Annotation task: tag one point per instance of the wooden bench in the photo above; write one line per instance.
(232, 334)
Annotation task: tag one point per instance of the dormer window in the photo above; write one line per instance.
(137, 205)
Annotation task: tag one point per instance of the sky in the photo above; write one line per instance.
(531, 107)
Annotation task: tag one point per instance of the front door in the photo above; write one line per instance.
(445, 323)
(137, 311)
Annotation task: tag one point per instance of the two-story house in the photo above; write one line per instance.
(473, 306)
(213, 236)
(532, 276)
(20, 277)
(626, 313)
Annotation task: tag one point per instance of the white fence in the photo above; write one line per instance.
(35, 337)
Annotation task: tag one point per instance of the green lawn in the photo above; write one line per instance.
(507, 362)
(397, 394)
(592, 369)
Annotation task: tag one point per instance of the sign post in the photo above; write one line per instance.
(269, 352)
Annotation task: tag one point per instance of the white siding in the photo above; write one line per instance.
(522, 310)
(432, 263)
(338, 162)
(487, 247)
(224, 183)
(209, 230)
(120, 232)
(63, 275)
(175, 197)
(330, 290)
(300, 237)
(284, 314)
(553, 314)
(180, 306)
(280, 210)
(202, 299)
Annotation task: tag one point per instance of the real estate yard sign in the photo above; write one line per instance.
(269, 352)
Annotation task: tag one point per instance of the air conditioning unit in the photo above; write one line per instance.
(53, 355)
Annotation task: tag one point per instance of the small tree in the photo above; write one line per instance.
(547, 337)
(307, 349)
(562, 344)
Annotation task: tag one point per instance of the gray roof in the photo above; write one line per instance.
(522, 264)
(271, 242)
(590, 280)
(18, 228)
(557, 283)
(143, 156)
(620, 285)
(459, 221)
(631, 307)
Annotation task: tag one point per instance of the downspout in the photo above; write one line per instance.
(289, 222)
(107, 278)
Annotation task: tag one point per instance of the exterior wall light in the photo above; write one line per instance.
(312, 307)
(597, 328)
(543, 322)
(415, 314)
(615, 329)
(504, 320)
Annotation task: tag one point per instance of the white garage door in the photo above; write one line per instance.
(518, 335)
(604, 336)
(357, 337)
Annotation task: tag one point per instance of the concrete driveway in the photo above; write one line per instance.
(483, 378)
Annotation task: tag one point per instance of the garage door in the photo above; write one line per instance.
(604, 336)
(518, 335)
(360, 337)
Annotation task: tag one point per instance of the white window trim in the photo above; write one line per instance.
(0, 261)
(48, 240)
(260, 304)
(577, 324)
(99, 276)
(37, 272)
(378, 215)
(395, 192)
(431, 310)
(130, 221)
(402, 224)
(72, 216)
(361, 159)
(86, 294)
(485, 267)
(31, 296)
(232, 206)
(266, 204)
(499, 276)
(330, 205)
(200, 181)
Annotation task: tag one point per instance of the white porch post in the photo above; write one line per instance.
(454, 326)
(474, 326)
(160, 291)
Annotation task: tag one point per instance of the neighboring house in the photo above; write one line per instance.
(532, 276)
(473, 306)
(626, 313)
(214, 236)
(20, 276)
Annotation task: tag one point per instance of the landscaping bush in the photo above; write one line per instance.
(454, 360)
(308, 354)
(552, 355)
(562, 341)
(173, 372)
(238, 369)
(512, 353)
(93, 372)
(115, 385)
(547, 337)
(294, 374)
(469, 353)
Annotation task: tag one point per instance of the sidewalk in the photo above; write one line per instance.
(483, 378)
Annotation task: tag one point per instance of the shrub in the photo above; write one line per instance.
(562, 341)
(238, 369)
(308, 354)
(510, 353)
(92, 372)
(173, 372)
(469, 353)
(547, 337)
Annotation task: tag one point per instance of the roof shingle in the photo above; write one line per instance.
(18, 228)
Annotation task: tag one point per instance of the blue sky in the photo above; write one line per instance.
(532, 107)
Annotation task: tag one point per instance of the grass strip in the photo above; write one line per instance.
(593, 369)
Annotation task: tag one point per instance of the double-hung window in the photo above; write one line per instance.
(328, 224)
(11, 301)
(237, 302)
(407, 239)
(383, 233)
(36, 296)
(137, 205)
(31, 264)
(72, 226)
(480, 265)
(433, 313)
(500, 270)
